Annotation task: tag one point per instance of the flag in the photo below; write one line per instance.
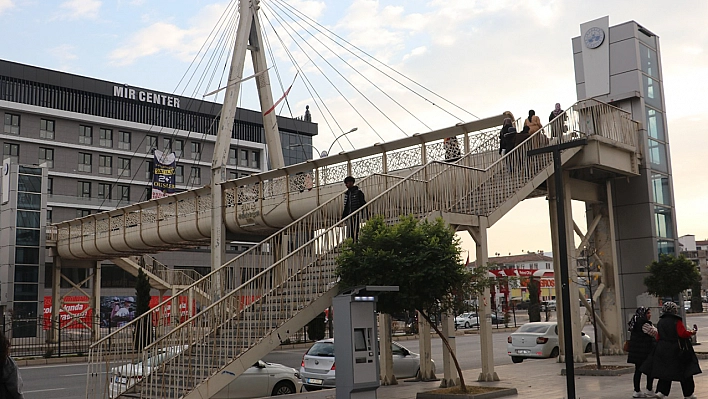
(281, 97)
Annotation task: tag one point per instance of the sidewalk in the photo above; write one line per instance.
(538, 379)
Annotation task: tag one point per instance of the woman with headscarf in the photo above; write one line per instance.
(673, 358)
(641, 342)
(10, 379)
(533, 122)
(557, 125)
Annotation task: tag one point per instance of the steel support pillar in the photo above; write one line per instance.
(479, 234)
(386, 357)
(426, 365)
(578, 356)
(450, 377)
(56, 299)
(96, 301)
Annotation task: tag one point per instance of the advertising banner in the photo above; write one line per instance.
(163, 174)
(75, 312)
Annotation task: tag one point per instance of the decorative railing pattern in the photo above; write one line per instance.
(294, 267)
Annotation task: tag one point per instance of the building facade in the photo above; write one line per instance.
(94, 140)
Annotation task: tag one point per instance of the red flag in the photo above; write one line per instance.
(281, 98)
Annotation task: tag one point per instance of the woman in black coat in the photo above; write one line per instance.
(666, 362)
(641, 342)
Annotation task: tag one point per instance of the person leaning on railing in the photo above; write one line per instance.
(10, 378)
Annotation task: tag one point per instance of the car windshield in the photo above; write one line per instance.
(322, 349)
(533, 328)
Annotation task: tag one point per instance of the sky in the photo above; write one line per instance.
(485, 57)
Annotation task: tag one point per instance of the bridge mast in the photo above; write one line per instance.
(248, 37)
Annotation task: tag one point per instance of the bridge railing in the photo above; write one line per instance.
(407, 153)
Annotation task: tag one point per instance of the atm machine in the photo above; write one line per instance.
(356, 341)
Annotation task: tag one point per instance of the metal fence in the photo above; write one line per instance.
(39, 337)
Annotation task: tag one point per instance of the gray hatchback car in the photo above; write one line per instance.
(318, 368)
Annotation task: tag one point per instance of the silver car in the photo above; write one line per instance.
(261, 379)
(538, 340)
(318, 368)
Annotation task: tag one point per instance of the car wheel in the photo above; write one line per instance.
(517, 359)
(283, 388)
(467, 324)
(588, 348)
(554, 352)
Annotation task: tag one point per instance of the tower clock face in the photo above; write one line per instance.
(594, 37)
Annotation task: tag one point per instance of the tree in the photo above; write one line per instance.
(143, 329)
(669, 276)
(534, 287)
(421, 258)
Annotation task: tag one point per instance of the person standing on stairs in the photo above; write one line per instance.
(533, 122)
(353, 200)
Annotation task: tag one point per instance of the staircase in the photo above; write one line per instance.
(273, 290)
(161, 277)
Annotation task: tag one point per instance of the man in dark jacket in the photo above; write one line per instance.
(353, 200)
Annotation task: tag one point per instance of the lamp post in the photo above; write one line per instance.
(326, 153)
(303, 145)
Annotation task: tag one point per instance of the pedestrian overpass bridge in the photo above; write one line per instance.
(248, 306)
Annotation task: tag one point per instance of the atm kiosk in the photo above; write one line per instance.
(356, 342)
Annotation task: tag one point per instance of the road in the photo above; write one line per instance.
(69, 380)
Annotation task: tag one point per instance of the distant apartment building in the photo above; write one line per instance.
(696, 251)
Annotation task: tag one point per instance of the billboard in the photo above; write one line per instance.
(163, 174)
(74, 313)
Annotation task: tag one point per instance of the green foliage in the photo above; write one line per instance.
(143, 329)
(671, 275)
(534, 303)
(421, 258)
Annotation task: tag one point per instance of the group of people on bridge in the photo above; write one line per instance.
(509, 137)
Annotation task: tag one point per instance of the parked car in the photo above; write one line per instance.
(318, 367)
(551, 304)
(468, 320)
(538, 340)
(261, 379)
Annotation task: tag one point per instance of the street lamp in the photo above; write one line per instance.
(326, 153)
(303, 145)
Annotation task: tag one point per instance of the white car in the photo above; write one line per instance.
(261, 379)
(467, 320)
(538, 340)
(318, 368)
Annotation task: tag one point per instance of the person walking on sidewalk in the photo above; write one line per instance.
(641, 342)
(10, 379)
(673, 358)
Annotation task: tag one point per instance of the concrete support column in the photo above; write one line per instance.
(479, 234)
(578, 356)
(450, 377)
(426, 365)
(96, 301)
(56, 299)
(386, 357)
(605, 256)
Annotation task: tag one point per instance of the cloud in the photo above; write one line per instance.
(64, 52)
(6, 5)
(79, 9)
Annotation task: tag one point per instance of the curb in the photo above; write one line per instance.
(487, 395)
(602, 373)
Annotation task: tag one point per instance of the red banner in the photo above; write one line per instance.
(74, 313)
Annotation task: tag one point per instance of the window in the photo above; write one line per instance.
(124, 140)
(84, 162)
(12, 124)
(124, 193)
(166, 144)
(11, 151)
(104, 190)
(85, 189)
(150, 144)
(49, 216)
(196, 150)
(46, 129)
(648, 60)
(233, 175)
(660, 187)
(148, 171)
(243, 158)
(105, 138)
(655, 124)
(255, 159)
(195, 176)
(179, 174)
(652, 92)
(85, 134)
(665, 247)
(232, 157)
(46, 155)
(105, 164)
(178, 148)
(82, 212)
(50, 185)
(664, 225)
(124, 167)
(657, 156)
